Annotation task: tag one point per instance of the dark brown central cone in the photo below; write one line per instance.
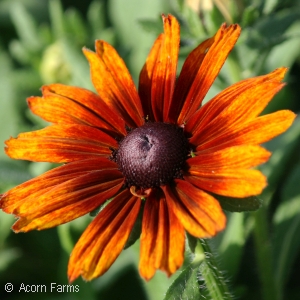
(152, 155)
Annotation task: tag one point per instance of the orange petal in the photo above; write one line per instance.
(164, 72)
(11, 200)
(64, 104)
(200, 214)
(114, 84)
(224, 41)
(224, 172)
(104, 238)
(187, 77)
(244, 156)
(65, 207)
(61, 143)
(257, 131)
(56, 109)
(244, 108)
(162, 239)
(145, 79)
(246, 97)
(238, 183)
(53, 198)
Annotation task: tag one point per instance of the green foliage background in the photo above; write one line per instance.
(258, 253)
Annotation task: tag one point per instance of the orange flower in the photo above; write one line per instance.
(157, 146)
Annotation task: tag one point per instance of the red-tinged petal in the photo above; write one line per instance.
(65, 207)
(145, 79)
(114, 84)
(57, 109)
(62, 194)
(243, 108)
(164, 72)
(236, 92)
(105, 238)
(11, 200)
(61, 99)
(61, 143)
(186, 78)
(66, 193)
(237, 183)
(245, 156)
(162, 239)
(200, 214)
(224, 172)
(257, 131)
(224, 41)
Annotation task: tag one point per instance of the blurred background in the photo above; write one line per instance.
(41, 42)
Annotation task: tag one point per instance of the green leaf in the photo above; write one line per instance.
(239, 204)
(250, 15)
(270, 5)
(232, 244)
(150, 25)
(202, 279)
(7, 256)
(19, 52)
(76, 26)
(213, 277)
(65, 237)
(6, 220)
(286, 242)
(38, 168)
(79, 67)
(287, 52)
(25, 26)
(57, 18)
(192, 242)
(12, 172)
(192, 29)
(125, 16)
(285, 148)
(263, 253)
(96, 16)
(96, 211)
(9, 104)
(270, 31)
(186, 285)
(136, 230)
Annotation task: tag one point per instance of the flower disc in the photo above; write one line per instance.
(152, 155)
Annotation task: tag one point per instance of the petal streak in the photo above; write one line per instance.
(61, 143)
(162, 239)
(164, 72)
(65, 104)
(104, 238)
(200, 214)
(114, 84)
(209, 69)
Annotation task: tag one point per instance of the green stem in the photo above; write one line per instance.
(215, 283)
(65, 238)
(264, 255)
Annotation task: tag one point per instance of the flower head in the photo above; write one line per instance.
(157, 145)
